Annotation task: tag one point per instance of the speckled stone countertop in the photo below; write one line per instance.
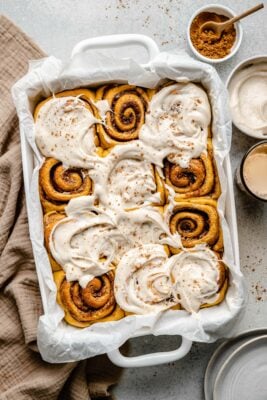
(56, 26)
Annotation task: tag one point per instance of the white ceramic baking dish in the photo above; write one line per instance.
(230, 212)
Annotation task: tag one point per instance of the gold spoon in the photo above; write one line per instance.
(219, 27)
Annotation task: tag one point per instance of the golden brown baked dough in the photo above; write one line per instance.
(198, 180)
(197, 221)
(128, 105)
(223, 285)
(50, 219)
(59, 185)
(95, 303)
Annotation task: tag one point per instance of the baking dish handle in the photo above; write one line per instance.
(148, 360)
(102, 42)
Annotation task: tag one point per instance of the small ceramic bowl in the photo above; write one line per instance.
(221, 10)
(243, 64)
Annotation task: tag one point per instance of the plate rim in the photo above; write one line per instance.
(260, 331)
(230, 358)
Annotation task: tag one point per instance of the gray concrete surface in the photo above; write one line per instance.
(56, 26)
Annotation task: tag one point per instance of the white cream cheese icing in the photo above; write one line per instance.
(142, 283)
(195, 276)
(125, 178)
(103, 107)
(145, 226)
(64, 129)
(131, 182)
(248, 99)
(177, 122)
(148, 281)
(90, 238)
(85, 244)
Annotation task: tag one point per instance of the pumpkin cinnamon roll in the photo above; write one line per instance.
(50, 220)
(84, 306)
(142, 283)
(178, 121)
(132, 183)
(126, 115)
(127, 180)
(199, 278)
(65, 128)
(58, 185)
(199, 179)
(197, 222)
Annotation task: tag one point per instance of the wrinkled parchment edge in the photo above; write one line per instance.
(57, 341)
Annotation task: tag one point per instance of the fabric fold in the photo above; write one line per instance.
(23, 374)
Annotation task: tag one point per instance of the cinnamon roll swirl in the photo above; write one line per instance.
(128, 105)
(93, 303)
(50, 220)
(197, 222)
(199, 179)
(58, 185)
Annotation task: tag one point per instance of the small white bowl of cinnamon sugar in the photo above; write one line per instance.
(205, 44)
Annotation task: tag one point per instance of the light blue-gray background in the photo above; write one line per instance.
(56, 26)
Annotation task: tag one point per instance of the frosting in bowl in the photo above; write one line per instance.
(64, 130)
(248, 99)
(178, 119)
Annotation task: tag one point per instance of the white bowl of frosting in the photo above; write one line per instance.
(247, 86)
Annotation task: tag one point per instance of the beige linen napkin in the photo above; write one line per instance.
(23, 374)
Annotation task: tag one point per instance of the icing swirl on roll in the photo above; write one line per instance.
(131, 182)
(148, 281)
(126, 178)
(64, 130)
(196, 278)
(142, 283)
(146, 225)
(90, 239)
(85, 244)
(178, 120)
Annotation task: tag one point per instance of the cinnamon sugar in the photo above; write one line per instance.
(206, 42)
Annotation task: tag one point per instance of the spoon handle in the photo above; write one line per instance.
(246, 13)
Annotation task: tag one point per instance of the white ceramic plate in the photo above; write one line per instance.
(222, 353)
(244, 374)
